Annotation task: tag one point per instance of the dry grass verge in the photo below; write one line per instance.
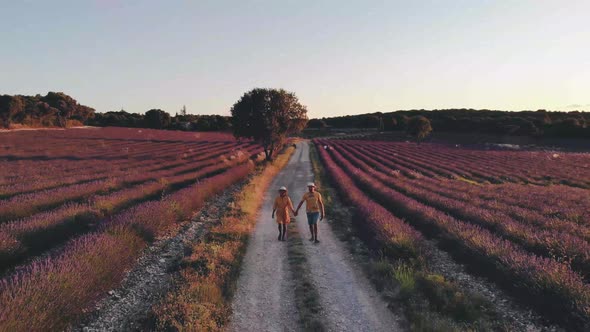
(201, 300)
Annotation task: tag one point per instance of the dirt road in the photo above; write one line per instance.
(265, 302)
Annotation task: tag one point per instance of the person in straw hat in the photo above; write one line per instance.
(315, 210)
(282, 206)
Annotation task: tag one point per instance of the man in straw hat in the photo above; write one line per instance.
(281, 207)
(315, 210)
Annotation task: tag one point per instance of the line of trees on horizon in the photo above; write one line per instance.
(160, 119)
(540, 123)
(56, 109)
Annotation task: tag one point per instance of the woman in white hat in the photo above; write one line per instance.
(282, 206)
(315, 210)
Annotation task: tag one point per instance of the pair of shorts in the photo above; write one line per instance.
(313, 217)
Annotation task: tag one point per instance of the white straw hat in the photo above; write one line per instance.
(283, 188)
(310, 184)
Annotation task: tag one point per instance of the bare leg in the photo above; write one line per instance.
(315, 232)
(311, 231)
(284, 232)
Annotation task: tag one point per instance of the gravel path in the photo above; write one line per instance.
(264, 302)
(348, 298)
(126, 308)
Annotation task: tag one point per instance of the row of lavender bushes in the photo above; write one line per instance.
(546, 242)
(488, 166)
(26, 204)
(551, 286)
(554, 204)
(27, 237)
(53, 292)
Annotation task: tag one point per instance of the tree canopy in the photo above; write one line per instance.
(268, 116)
(419, 127)
(157, 119)
(54, 109)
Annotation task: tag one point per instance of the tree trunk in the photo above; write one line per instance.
(268, 153)
(269, 149)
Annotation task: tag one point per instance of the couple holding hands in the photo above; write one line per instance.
(314, 207)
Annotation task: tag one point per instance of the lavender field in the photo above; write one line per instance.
(78, 206)
(518, 218)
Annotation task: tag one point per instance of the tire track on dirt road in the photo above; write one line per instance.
(264, 299)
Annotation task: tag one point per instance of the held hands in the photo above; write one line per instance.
(322, 217)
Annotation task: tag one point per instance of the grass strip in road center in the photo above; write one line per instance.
(307, 298)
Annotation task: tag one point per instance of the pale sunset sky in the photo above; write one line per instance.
(339, 57)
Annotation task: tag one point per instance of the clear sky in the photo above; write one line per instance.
(339, 57)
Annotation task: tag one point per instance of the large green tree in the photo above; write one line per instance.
(157, 119)
(419, 127)
(54, 109)
(268, 116)
(10, 107)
